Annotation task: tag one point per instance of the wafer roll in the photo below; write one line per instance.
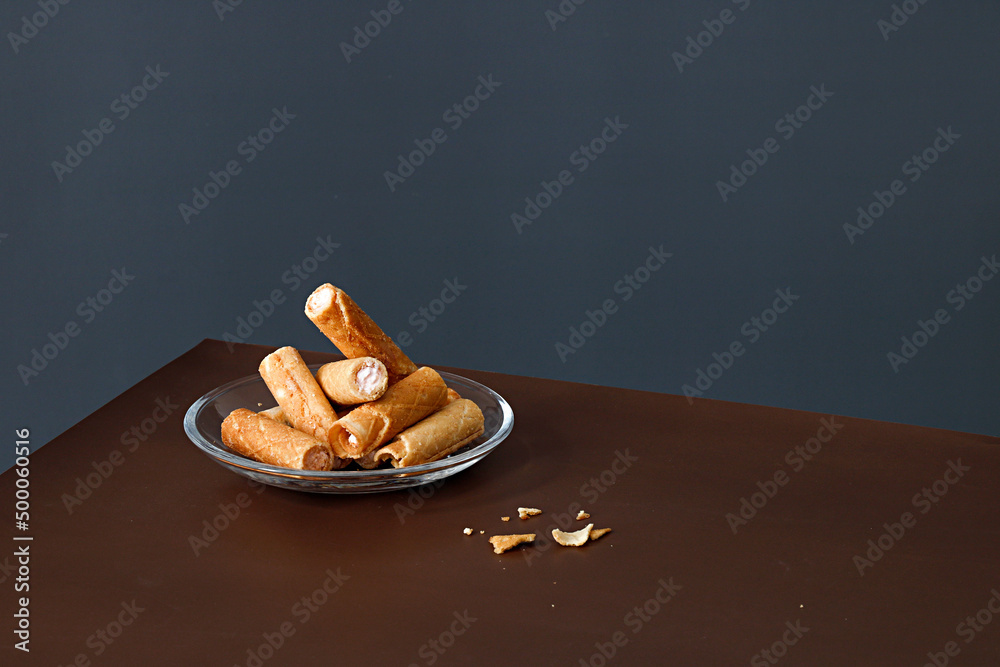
(453, 395)
(450, 428)
(265, 440)
(371, 425)
(278, 415)
(353, 381)
(353, 332)
(275, 413)
(299, 395)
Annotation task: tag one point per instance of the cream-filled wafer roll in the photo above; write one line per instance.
(353, 332)
(373, 424)
(304, 404)
(450, 428)
(265, 440)
(353, 381)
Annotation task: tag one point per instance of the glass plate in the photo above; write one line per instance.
(203, 425)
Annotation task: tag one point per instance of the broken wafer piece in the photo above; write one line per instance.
(505, 518)
(525, 512)
(502, 543)
(353, 332)
(467, 531)
(353, 381)
(265, 440)
(574, 539)
(581, 515)
(597, 533)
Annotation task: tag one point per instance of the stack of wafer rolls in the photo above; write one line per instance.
(392, 411)
(353, 332)
(268, 441)
(450, 428)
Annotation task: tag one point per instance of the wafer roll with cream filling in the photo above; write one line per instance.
(373, 424)
(263, 439)
(303, 403)
(353, 332)
(447, 430)
(353, 381)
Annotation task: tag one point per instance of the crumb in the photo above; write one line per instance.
(577, 539)
(505, 518)
(595, 533)
(502, 543)
(582, 515)
(525, 512)
(467, 531)
(482, 532)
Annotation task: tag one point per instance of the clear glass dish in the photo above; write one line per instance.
(203, 425)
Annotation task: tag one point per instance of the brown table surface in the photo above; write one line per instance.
(114, 579)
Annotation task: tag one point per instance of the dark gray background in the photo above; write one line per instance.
(323, 176)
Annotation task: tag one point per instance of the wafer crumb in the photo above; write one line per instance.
(525, 512)
(482, 532)
(502, 543)
(575, 539)
(467, 531)
(596, 533)
(505, 518)
(582, 515)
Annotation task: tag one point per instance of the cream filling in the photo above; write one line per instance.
(368, 379)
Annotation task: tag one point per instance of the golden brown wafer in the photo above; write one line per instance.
(353, 381)
(265, 440)
(353, 332)
(302, 401)
(373, 424)
(434, 437)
